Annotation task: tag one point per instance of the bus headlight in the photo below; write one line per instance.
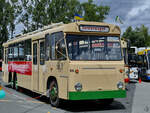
(120, 85)
(78, 87)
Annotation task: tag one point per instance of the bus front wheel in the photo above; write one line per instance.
(53, 94)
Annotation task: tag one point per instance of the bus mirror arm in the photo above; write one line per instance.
(58, 47)
(60, 52)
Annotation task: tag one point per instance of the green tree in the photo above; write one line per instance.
(138, 37)
(25, 17)
(93, 12)
(45, 12)
(8, 14)
(39, 14)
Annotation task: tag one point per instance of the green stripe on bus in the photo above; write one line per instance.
(89, 95)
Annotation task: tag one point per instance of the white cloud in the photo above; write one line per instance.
(138, 9)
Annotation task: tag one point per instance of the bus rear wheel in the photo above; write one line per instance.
(53, 94)
(15, 82)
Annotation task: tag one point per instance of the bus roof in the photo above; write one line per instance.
(75, 27)
(143, 52)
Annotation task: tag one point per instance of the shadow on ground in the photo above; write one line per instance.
(83, 106)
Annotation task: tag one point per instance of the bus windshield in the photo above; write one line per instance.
(132, 59)
(87, 47)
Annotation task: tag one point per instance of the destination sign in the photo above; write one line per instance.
(93, 28)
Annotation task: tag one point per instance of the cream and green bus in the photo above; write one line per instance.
(75, 61)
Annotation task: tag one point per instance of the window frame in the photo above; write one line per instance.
(54, 37)
(106, 41)
(35, 56)
(42, 51)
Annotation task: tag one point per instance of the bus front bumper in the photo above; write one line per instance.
(93, 95)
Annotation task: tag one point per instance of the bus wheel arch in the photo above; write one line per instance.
(53, 92)
(50, 79)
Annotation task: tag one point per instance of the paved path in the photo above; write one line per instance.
(16, 102)
(141, 100)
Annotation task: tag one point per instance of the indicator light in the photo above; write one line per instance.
(76, 71)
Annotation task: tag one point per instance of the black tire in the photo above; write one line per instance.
(10, 81)
(15, 82)
(53, 93)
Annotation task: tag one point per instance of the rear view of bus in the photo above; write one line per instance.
(96, 64)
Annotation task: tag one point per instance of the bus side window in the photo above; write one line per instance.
(16, 52)
(52, 40)
(21, 51)
(10, 53)
(42, 53)
(61, 50)
(58, 48)
(27, 50)
(145, 62)
(47, 47)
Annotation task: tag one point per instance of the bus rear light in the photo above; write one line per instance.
(76, 71)
(126, 80)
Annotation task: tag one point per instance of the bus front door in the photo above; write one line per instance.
(38, 65)
(35, 65)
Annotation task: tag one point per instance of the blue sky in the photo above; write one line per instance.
(132, 12)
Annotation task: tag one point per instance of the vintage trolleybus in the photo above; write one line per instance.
(75, 61)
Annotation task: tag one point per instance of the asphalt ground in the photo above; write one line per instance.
(23, 101)
(141, 100)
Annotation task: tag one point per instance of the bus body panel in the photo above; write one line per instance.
(21, 67)
(24, 81)
(5, 74)
(96, 75)
(93, 95)
(99, 78)
(60, 69)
